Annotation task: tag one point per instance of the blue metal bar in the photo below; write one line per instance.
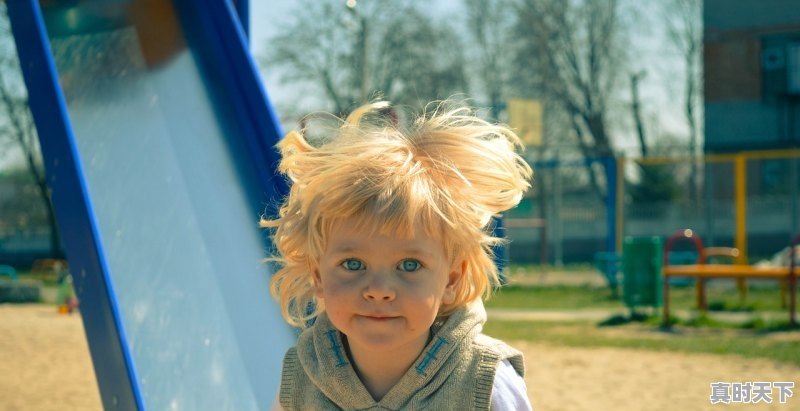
(500, 251)
(243, 11)
(223, 40)
(113, 367)
(610, 164)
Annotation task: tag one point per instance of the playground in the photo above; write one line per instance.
(572, 362)
(626, 309)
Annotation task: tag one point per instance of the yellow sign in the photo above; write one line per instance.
(525, 117)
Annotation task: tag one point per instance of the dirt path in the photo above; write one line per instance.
(45, 365)
(561, 378)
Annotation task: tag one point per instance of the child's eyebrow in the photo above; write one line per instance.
(415, 251)
(344, 249)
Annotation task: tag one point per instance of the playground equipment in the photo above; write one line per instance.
(66, 302)
(742, 198)
(157, 139)
(49, 269)
(56, 270)
(8, 271)
(13, 291)
(641, 267)
(749, 200)
(702, 271)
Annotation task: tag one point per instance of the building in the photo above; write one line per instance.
(751, 74)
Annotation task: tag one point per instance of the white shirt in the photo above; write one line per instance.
(508, 390)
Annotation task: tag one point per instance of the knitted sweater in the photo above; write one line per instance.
(454, 372)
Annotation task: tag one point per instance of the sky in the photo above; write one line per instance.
(266, 18)
(266, 15)
(660, 90)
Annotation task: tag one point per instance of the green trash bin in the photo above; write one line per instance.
(641, 270)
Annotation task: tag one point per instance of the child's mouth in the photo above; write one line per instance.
(378, 317)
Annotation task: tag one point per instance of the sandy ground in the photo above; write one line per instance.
(45, 365)
(616, 379)
(44, 361)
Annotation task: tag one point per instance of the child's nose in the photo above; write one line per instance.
(379, 289)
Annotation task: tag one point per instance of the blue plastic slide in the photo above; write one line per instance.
(158, 141)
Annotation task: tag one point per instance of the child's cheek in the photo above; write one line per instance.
(342, 289)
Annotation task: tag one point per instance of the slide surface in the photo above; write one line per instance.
(157, 139)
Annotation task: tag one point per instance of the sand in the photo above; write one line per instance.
(562, 378)
(44, 361)
(45, 365)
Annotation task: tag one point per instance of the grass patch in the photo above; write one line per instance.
(755, 337)
(762, 343)
(531, 269)
(554, 297)
(566, 297)
(757, 324)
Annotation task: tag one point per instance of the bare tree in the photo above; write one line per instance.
(685, 33)
(356, 53)
(488, 22)
(656, 183)
(17, 130)
(574, 47)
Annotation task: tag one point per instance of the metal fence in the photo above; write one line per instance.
(748, 200)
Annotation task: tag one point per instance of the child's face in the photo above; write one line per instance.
(384, 292)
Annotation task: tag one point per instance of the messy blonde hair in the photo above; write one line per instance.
(449, 171)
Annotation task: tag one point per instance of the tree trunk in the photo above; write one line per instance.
(55, 236)
(590, 157)
(694, 195)
(636, 111)
(15, 110)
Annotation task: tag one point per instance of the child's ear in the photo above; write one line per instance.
(453, 280)
(317, 283)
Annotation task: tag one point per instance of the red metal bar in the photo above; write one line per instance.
(679, 235)
(701, 259)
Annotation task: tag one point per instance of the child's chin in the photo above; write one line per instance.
(387, 340)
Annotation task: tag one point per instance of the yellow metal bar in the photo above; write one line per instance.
(740, 187)
(660, 160)
(771, 154)
(709, 158)
(755, 155)
(620, 201)
(715, 158)
(721, 158)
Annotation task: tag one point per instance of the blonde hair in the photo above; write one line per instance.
(449, 171)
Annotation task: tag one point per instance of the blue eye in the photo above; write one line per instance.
(353, 264)
(409, 265)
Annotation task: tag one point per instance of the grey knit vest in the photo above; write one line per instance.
(454, 372)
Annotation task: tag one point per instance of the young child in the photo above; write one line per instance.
(384, 248)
